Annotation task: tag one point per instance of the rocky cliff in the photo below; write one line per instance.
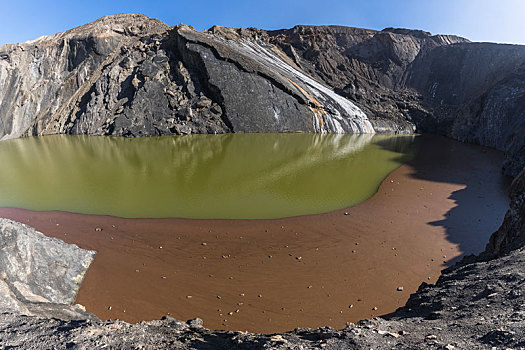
(129, 75)
(40, 276)
(511, 235)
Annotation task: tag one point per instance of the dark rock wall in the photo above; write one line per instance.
(260, 88)
(128, 75)
(249, 101)
(475, 93)
(365, 66)
(43, 80)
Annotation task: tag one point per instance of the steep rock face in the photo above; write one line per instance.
(129, 75)
(475, 93)
(511, 234)
(365, 66)
(108, 79)
(42, 82)
(40, 276)
(261, 89)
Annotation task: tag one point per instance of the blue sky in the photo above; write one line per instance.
(477, 20)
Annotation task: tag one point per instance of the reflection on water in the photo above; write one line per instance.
(197, 176)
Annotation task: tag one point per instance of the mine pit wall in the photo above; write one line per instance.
(258, 93)
(511, 235)
(243, 94)
(475, 92)
(43, 80)
(128, 75)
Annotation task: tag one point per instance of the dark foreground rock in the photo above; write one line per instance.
(511, 234)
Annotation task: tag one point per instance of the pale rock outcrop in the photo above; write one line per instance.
(40, 276)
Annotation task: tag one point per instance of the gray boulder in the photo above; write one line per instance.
(40, 275)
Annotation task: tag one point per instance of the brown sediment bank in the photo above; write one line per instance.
(309, 271)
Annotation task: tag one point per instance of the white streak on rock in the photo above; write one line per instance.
(339, 115)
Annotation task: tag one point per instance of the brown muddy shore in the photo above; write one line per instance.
(309, 271)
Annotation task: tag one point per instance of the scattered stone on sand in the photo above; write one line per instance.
(386, 333)
(196, 322)
(400, 288)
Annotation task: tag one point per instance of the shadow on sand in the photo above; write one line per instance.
(480, 205)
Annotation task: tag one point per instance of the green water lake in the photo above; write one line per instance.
(198, 176)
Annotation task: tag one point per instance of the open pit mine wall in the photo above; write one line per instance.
(129, 75)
